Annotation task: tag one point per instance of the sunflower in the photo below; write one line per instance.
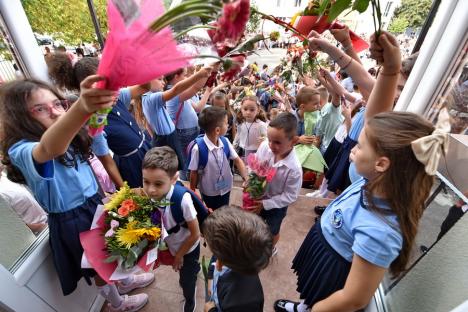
(118, 198)
(128, 236)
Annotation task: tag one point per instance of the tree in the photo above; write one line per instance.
(413, 13)
(398, 25)
(254, 21)
(68, 20)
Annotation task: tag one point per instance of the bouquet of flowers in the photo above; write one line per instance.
(126, 233)
(260, 175)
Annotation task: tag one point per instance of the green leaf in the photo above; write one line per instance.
(324, 6)
(337, 8)
(112, 259)
(361, 5)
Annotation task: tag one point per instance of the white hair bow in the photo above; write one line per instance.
(430, 148)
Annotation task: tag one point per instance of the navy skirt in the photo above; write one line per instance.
(337, 174)
(319, 268)
(64, 240)
(331, 152)
(130, 166)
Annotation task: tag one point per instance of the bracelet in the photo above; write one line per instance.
(349, 63)
(389, 74)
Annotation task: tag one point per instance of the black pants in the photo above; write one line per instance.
(188, 278)
(215, 202)
(455, 213)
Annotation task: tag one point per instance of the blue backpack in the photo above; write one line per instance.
(176, 207)
(203, 151)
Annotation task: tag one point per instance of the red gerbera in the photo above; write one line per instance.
(236, 63)
(231, 25)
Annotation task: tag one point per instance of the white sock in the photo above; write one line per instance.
(111, 294)
(127, 281)
(323, 187)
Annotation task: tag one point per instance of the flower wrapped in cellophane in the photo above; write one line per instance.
(260, 174)
(125, 235)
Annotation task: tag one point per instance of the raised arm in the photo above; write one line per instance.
(385, 50)
(198, 107)
(342, 36)
(187, 85)
(360, 76)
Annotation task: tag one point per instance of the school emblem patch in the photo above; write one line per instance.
(337, 218)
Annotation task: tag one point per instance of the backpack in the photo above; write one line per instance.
(203, 151)
(176, 207)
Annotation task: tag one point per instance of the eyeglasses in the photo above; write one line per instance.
(46, 109)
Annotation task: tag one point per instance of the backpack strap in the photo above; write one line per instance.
(202, 152)
(176, 207)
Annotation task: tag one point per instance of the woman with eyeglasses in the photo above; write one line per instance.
(45, 146)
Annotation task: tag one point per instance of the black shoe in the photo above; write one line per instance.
(280, 305)
(319, 210)
(423, 248)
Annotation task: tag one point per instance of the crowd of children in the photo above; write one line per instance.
(304, 129)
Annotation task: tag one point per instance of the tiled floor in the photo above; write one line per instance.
(277, 279)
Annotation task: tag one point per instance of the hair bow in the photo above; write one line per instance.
(429, 149)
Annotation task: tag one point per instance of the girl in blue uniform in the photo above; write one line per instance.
(371, 226)
(124, 136)
(47, 148)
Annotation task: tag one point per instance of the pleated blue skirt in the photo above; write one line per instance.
(331, 152)
(337, 174)
(64, 240)
(319, 268)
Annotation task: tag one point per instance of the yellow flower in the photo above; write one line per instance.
(130, 236)
(118, 198)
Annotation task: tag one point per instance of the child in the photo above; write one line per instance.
(154, 108)
(159, 176)
(372, 225)
(251, 126)
(242, 245)
(284, 189)
(46, 147)
(215, 179)
(308, 101)
(220, 99)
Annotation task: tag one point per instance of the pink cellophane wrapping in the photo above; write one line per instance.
(135, 55)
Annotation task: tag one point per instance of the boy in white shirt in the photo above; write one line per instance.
(160, 167)
(284, 189)
(214, 177)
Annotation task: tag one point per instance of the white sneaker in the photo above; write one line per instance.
(314, 194)
(275, 252)
(130, 303)
(139, 281)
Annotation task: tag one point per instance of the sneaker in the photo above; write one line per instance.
(280, 305)
(130, 303)
(423, 248)
(139, 281)
(275, 252)
(315, 194)
(319, 210)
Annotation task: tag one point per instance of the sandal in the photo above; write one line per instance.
(280, 305)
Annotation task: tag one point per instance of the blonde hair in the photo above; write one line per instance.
(306, 94)
(260, 115)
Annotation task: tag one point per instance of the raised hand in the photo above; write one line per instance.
(386, 51)
(342, 35)
(92, 99)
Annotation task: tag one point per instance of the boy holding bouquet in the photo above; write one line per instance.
(283, 189)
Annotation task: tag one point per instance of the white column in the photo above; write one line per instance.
(23, 39)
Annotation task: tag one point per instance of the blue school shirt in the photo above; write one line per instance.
(351, 228)
(156, 113)
(188, 117)
(358, 124)
(99, 145)
(122, 131)
(59, 188)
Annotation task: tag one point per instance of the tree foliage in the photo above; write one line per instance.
(254, 20)
(398, 25)
(68, 20)
(411, 12)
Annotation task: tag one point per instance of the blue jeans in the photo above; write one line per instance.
(185, 137)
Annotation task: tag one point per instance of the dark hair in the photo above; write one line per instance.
(305, 95)
(163, 158)
(168, 78)
(220, 95)
(390, 134)
(287, 122)
(265, 66)
(65, 75)
(239, 239)
(17, 124)
(211, 117)
(260, 115)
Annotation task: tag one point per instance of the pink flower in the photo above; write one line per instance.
(270, 174)
(252, 161)
(231, 25)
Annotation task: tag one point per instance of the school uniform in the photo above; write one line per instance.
(128, 142)
(154, 109)
(69, 213)
(191, 266)
(215, 180)
(300, 123)
(337, 174)
(283, 190)
(248, 134)
(330, 120)
(347, 227)
(233, 291)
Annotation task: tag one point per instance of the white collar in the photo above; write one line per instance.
(289, 161)
(210, 144)
(169, 194)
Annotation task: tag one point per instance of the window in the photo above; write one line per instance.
(387, 8)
